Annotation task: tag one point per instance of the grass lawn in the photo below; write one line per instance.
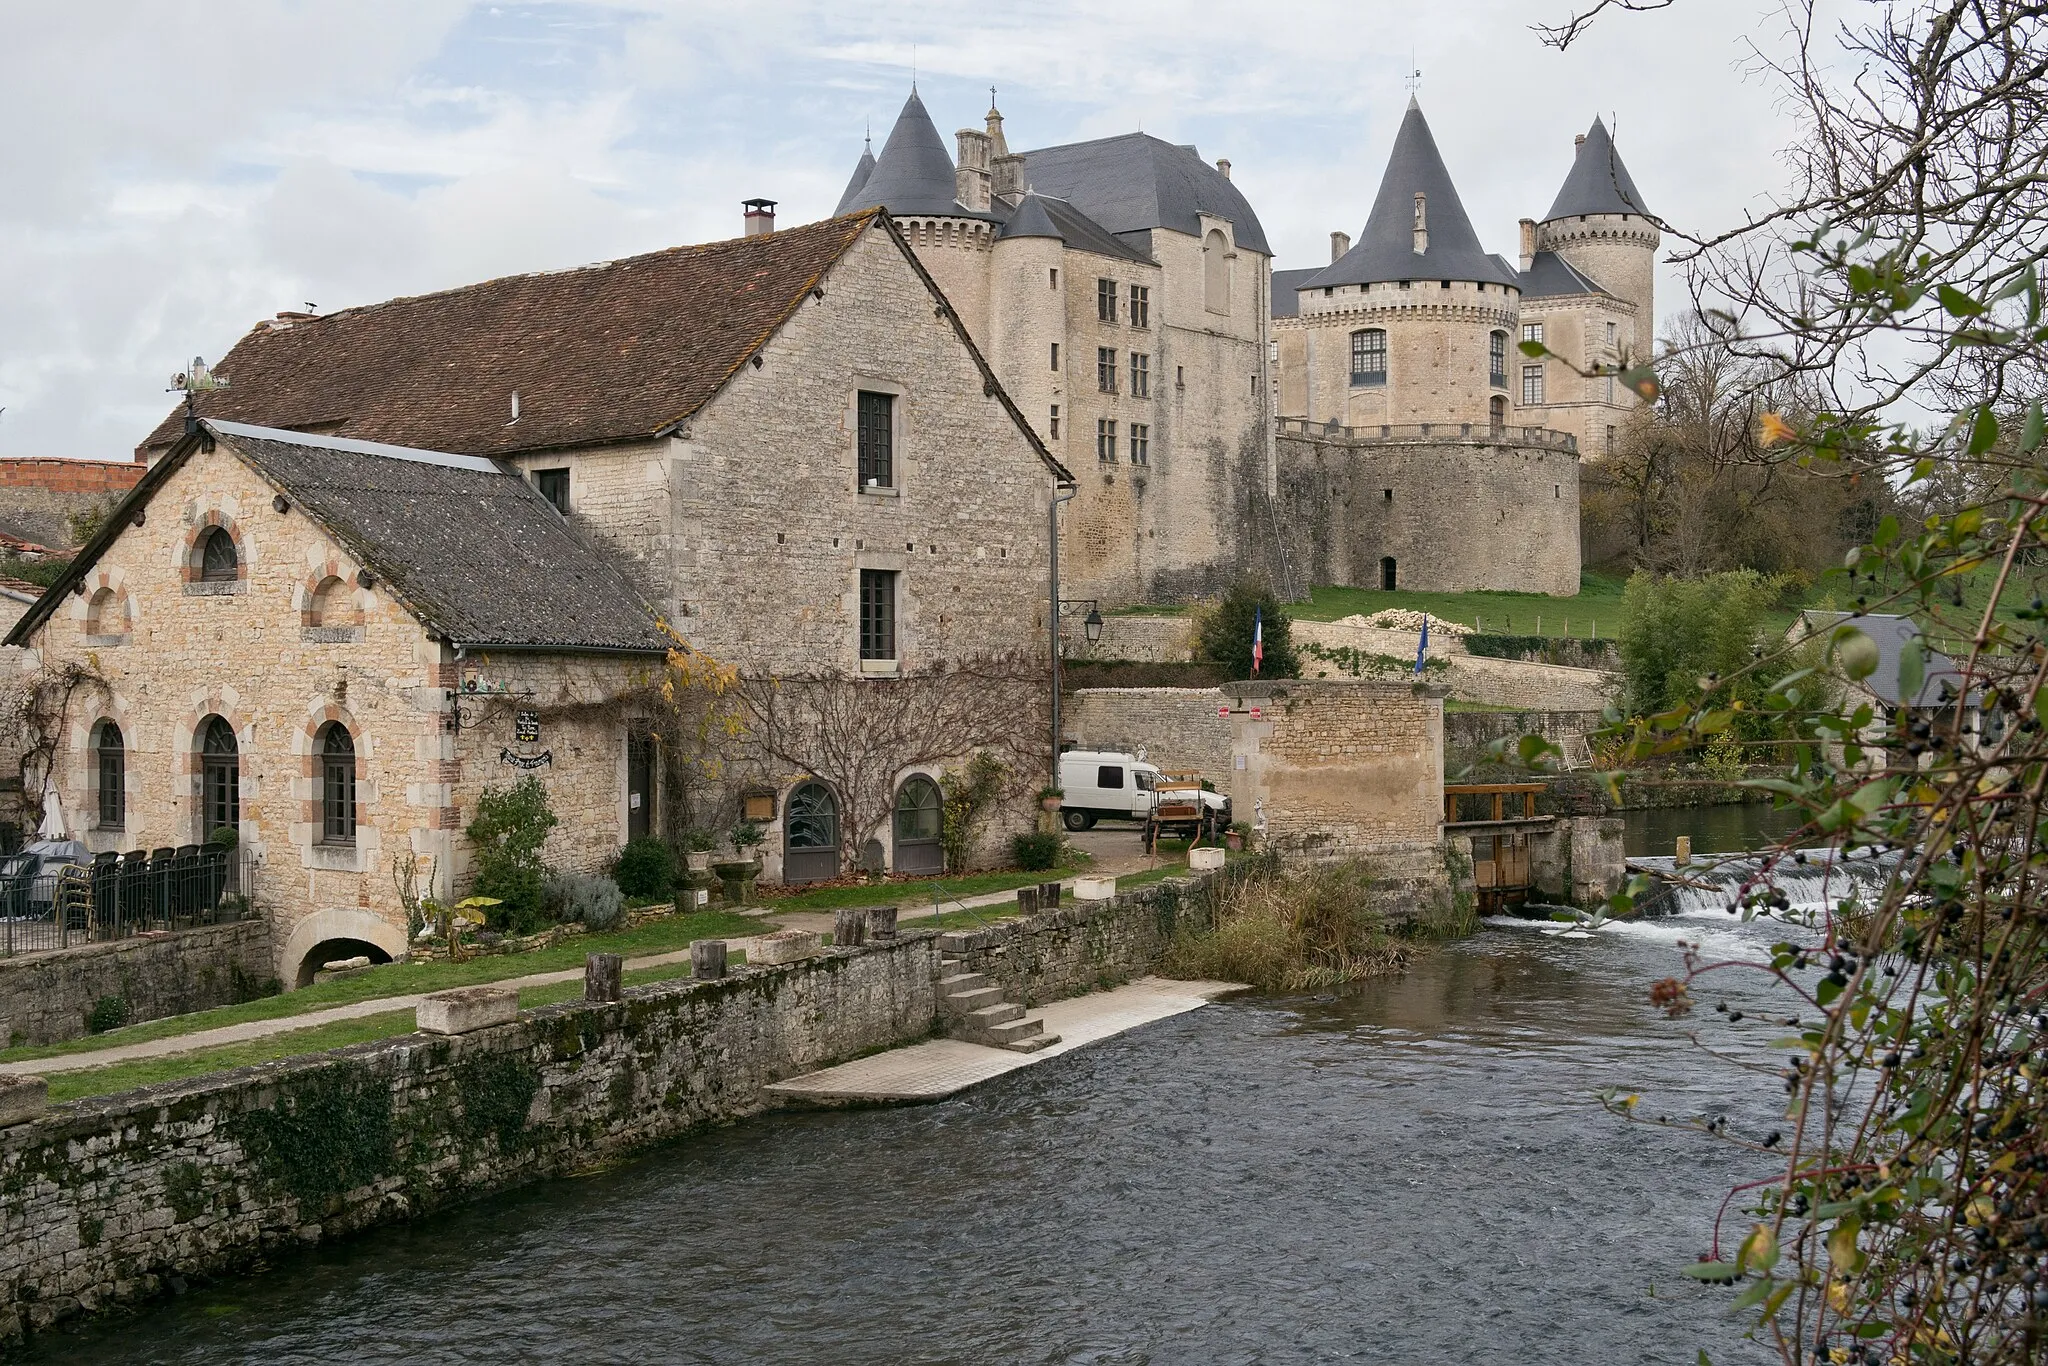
(909, 894)
(404, 979)
(126, 1076)
(1597, 608)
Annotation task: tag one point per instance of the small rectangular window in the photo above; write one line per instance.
(1532, 385)
(1054, 271)
(1610, 336)
(1141, 306)
(1532, 332)
(1055, 430)
(1105, 369)
(1610, 439)
(877, 440)
(1055, 357)
(1141, 443)
(1141, 375)
(1180, 377)
(1105, 440)
(1497, 359)
(1105, 300)
(1109, 775)
(554, 486)
(878, 614)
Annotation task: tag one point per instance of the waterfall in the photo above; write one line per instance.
(1812, 880)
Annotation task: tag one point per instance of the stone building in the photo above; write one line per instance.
(1120, 288)
(1398, 370)
(789, 445)
(40, 499)
(324, 645)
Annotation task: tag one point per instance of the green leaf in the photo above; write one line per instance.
(1827, 991)
(1958, 304)
(1912, 668)
(1533, 348)
(1871, 796)
(1984, 431)
(1719, 1273)
(2035, 431)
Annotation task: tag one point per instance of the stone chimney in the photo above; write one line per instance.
(1340, 242)
(760, 216)
(1006, 176)
(1223, 165)
(1421, 224)
(1528, 243)
(1578, 141)
(998, 145)
(970, 174)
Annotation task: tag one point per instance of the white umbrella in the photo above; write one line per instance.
(53, 817)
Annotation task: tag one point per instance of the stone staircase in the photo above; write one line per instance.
(979, 1014)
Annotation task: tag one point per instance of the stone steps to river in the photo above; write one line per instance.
(978, 1013)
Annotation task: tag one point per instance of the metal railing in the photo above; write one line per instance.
(45, 907)
(1485, 432)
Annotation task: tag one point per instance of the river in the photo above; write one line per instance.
(1413, 1172)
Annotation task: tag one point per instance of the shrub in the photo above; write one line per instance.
(1225, 633)
(596, 903)
(511, 825)
(1315, 928)
(967, 798)
(646, 867)
(1682, 630)
(1036, 852)
(108, 1012)
(223, 837)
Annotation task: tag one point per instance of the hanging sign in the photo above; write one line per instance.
(541, 760)
(526, 728)
(1256, 714)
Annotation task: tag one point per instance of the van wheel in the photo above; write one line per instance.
(1078, 820)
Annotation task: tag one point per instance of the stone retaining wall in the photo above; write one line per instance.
(105, 1201)
(1178, 728)
(1148, 639)
(46, 997)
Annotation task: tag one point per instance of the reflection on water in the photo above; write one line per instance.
(1714, 829)
(1410, 1173)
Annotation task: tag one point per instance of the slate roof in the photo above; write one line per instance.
(1597, 181)
(1038, 215)
(1385, 251)
(615, 351)
(1136, 182)
(465, 544)
(862, 169)
(1286, 303)
(1550, 276)
(1891, 634)
(914, 173)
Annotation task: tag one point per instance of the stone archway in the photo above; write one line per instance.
(325, 934)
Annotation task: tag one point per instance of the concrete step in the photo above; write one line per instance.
(962, 981)
(1035, 1043)
(1015, 1028)
(968, 1002)
(990, 1018)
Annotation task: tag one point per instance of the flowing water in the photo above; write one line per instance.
(1413, 1172)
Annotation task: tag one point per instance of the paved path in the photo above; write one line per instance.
(261, 1029)
(944, 1067)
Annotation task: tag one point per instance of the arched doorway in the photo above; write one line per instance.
(220, 778)
(810, 834)
(919, 848)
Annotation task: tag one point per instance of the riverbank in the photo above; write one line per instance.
(112, 1200)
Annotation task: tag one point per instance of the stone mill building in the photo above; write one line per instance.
(1418, 446)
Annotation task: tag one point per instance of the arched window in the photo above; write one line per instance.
(104, 615)
(220, 777)
(337, 785)
(333, 605)
(810, 833)
(1497, 359)
(111, 755)
(919, 848)
(1497, 413)
(1369, 356)
(218, 562)
(1216, 272)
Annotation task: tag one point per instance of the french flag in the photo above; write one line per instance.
(1258, 637)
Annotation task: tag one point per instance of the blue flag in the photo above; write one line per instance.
(1422, 646)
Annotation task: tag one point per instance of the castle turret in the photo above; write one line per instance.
(849, 199)
(1600, 225)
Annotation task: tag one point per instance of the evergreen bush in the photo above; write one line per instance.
(1037, 851)
(646, 867)
(1224, 634)
(511, 825)
(596, 903)
(108, 1012)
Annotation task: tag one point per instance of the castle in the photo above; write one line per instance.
(1370, 422)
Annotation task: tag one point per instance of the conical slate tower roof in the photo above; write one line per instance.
(865, 167)
(913, 175)
(1598, 182)
(1386, 249)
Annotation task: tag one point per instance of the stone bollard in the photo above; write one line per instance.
(465, 1009)
(1048, 896)
(881, 922)
(1094, 888)
(1027, 901)
(22, 1098)
(603, 977)
(1684, 851)
(850, 927)
(707, 959)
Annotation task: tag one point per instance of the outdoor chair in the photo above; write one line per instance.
(160, 883)
(187, 887)
(106, 895)
(135, 886)
(215, 861)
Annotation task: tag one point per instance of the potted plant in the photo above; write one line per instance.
(1049, 798)
(1239, 833)
(697, 847)
(746, 840)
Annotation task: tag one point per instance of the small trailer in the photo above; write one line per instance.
(1184, 809)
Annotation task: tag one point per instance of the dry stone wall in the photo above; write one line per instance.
(46, 997)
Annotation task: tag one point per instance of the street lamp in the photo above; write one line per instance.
(1092, 626)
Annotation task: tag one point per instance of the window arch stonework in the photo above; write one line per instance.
(329, 608)
(333, 751)
(1216, 271)
(216, 558)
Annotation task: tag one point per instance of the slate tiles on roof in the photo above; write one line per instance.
(914, 173)
(1550, 276)
(1287, 303)
(1597, 181)
(615, 351)
(1135, 182)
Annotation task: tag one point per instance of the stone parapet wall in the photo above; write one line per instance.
(1140, 639)
(1529, 687)
(46, 997)
(1178, 728)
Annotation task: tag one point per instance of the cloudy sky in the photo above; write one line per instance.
(175, 172)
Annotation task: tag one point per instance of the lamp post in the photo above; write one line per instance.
(1092, 626)
(1052, 532)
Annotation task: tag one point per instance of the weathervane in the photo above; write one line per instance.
(194, 380)
(1413, 80)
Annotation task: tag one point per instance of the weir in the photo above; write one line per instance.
(1812, 880)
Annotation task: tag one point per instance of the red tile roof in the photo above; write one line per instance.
(613, 351)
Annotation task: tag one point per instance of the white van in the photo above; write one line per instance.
(1102, 784)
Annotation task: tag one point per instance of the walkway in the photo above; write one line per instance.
(258, 1029)
(945, 1067)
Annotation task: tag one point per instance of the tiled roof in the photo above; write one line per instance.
(1597, 181)
(621, 350)
(914, 173)
(1550, 276)
(15, 545)
(1135, 182)
(21, 588)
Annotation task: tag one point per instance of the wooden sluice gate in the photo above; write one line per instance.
(1500, 837)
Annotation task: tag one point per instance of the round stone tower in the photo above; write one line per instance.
(1599, 224)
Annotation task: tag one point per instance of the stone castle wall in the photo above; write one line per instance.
(1454, 515)
(38, 497)
(1178, 728)
(46, 997)
(1438, 353)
